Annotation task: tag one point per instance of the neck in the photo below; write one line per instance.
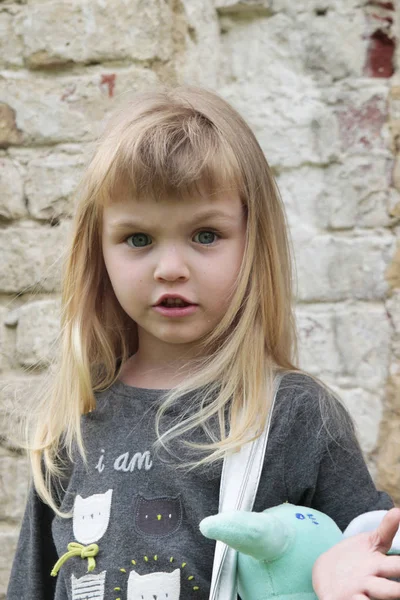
(158, 364)
(156, 372)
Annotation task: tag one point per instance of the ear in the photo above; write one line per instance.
(260, 535)
(133, 575)
(177, 574)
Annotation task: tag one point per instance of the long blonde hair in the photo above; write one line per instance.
(165, 143)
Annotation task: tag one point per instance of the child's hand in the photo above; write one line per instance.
(358, 568)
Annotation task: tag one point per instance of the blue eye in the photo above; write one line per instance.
(205, 237)
(139, 240)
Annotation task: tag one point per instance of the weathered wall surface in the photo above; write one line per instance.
(317, 81)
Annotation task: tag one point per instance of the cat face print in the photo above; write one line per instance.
(158, 516)
(154, 586)
(91, 517)
(88, 587)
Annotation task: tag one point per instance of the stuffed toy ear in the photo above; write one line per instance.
(368, 522)
(260, 535)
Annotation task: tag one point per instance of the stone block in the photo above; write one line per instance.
(50, 183)
(363, 337)
(358, 193)
(9, 132)
(393, 271)
(317, 345)
(332, 268)
(38, 325)
(69, 108)
(394, 98)
(14, 485)
(7, 342)
(37, 330)
(393, 309)
(280, 98)
(305, 194)
(32, 257)
(245, 44)
(340, 196)
(86, 31)
(200, 44)
(291, 130)
(25, 155)
(396, 172)
(10, 42)
(300, 46)
(17, 397)
(394, 203)
(3, 344)
(12, 205)
(8, 543)
(334, 47)
(366, 410)
(361, 111)
(347, 345)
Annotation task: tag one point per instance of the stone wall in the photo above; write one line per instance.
(317, 81)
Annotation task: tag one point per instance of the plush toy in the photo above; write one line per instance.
(276, 548)
(368, 522)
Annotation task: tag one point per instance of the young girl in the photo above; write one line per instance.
(176, 315)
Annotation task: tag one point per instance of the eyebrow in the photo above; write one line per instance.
(128, 223)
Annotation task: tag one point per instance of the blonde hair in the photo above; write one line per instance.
(172, 143)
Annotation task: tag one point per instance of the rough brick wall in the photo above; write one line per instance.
(317, 81)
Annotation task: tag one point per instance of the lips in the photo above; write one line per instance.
(169, 308)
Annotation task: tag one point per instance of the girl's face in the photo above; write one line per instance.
(173, 266)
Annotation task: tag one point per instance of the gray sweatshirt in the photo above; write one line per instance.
(135, 527)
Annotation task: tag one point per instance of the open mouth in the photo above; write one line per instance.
(174, 303)
(175, 306)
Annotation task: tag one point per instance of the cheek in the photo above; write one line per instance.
(120, 269)
(126, 279)
(131, 284)
(224, 279)
(231, 265)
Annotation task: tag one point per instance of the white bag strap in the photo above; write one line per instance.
(240, 477)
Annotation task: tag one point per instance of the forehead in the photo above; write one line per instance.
(124, 211)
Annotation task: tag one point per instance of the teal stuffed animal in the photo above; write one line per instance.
(276, 548)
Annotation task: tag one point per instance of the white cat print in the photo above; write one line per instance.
(154, 586)
(91, 517)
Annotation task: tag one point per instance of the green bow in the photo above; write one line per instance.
(75, 549)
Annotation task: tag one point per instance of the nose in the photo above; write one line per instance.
(171, 264)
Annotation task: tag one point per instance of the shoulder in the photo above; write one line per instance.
(302, 392)
(308, 406)
(299, 391)
(300, 383)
